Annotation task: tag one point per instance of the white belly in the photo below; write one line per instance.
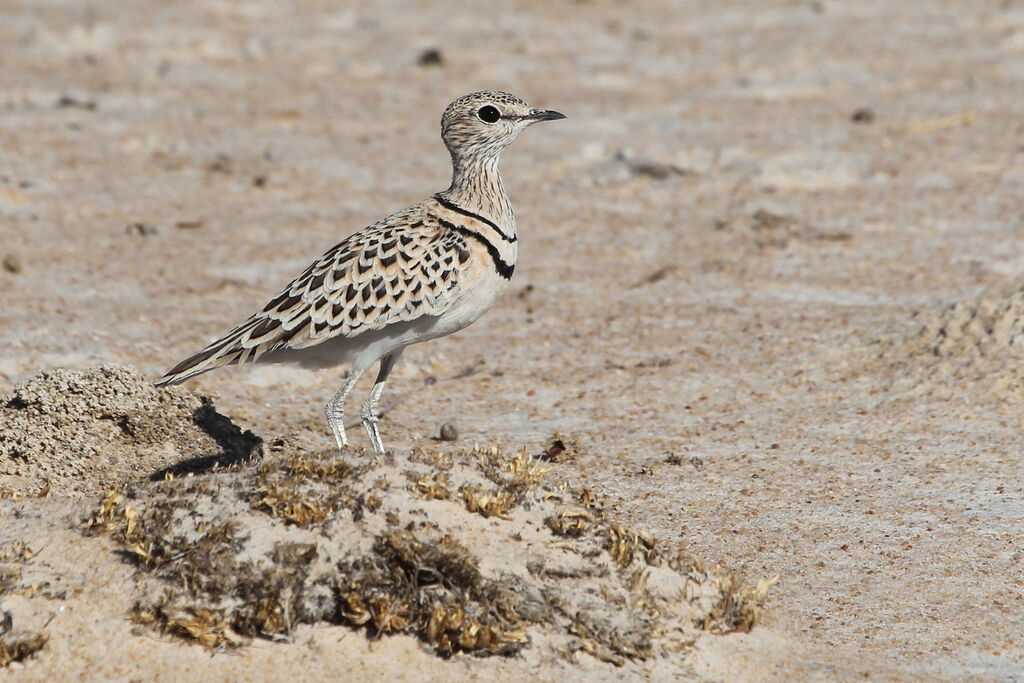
(472, 303)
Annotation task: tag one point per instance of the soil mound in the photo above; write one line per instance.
(83, 432)
(469, 550)
(988, 326)
(976, 343)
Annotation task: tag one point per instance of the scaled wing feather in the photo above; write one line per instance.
(400, 269)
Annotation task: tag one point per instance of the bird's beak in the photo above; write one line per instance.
(544, 115)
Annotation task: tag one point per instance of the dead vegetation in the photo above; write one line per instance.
(16, 645)
(474, 551)
(426, 582)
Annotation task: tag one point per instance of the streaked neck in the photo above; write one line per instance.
(476, 186)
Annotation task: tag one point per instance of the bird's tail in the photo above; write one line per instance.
(228, 350)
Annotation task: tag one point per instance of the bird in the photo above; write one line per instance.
(421, 273)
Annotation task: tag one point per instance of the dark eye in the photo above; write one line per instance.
(489, 114)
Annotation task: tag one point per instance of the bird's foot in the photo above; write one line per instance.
(370, 420)
(337, 424)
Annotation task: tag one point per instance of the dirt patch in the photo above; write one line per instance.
(83, 432)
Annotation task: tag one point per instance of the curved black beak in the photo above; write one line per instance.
(544, 115)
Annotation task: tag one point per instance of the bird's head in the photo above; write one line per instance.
(485, 123)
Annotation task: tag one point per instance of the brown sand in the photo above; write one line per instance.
(769, 280)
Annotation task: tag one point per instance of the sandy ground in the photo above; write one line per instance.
(769, 279)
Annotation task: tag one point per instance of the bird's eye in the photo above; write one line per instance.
(489, 113)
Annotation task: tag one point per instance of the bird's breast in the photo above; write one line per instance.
(480, 288)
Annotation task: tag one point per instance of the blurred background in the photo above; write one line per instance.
(740, 265)
(152, 151)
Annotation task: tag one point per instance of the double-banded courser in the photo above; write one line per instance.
(419, 274)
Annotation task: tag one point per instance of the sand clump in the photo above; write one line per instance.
(975, 344)
(82, 432)
(986, 327)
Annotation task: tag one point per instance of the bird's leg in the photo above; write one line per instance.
(369, 413)
(335, 408)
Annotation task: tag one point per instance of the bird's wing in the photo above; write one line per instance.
(405, 267)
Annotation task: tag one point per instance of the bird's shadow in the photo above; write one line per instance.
(236, 447)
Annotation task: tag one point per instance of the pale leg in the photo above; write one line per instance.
(335, 408)
(369, 412)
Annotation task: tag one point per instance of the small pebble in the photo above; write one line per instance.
(67, 101)
(449, 432)
(12, 264)
(863, 115)
(430, 57)
(141, 229)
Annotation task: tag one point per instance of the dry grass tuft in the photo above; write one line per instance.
(332, 471)
(624, 544)
(741, 605)
(289, 503)
(207, 627)
(18, 647)
(434, 487)
(431, 585)
(488, 503)
(570, 522)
